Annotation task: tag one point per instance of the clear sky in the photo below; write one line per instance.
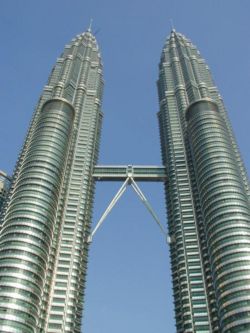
(129, 280)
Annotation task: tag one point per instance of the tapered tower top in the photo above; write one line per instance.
(185, 68)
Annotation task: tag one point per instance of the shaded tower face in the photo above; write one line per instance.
(207, 196)
(4, 188)
(43, 248)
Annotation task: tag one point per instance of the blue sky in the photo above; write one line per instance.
(129, 280)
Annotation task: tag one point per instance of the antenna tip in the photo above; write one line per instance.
(90, 25)
(172, 25)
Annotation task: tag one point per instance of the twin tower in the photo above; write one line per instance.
(46, 223)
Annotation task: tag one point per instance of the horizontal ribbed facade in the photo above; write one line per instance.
(26, 235)
(43, 248)
(226, 213)
(207, 196)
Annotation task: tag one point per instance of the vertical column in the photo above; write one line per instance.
(29, 222)
(226, 213)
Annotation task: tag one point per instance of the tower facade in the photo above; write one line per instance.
(4, 187)
(43, 248)
(207, 196)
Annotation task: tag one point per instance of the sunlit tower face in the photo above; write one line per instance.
(43, 239)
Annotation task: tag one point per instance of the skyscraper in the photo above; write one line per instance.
(207, 196)
(43, 254)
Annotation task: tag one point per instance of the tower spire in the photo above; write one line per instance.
(90, 25)
(172, 25)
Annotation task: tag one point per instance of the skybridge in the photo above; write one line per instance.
(129, 175)
(137, 172)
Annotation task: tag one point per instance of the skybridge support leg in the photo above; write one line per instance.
(147, 204)
(109, 208)
(128, 181)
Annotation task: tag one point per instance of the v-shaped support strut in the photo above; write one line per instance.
(138, 191)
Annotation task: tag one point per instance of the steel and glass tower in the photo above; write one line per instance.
(207, 193)
(43, 248)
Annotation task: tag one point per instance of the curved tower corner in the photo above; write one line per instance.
(201, 228)
(43, 247)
